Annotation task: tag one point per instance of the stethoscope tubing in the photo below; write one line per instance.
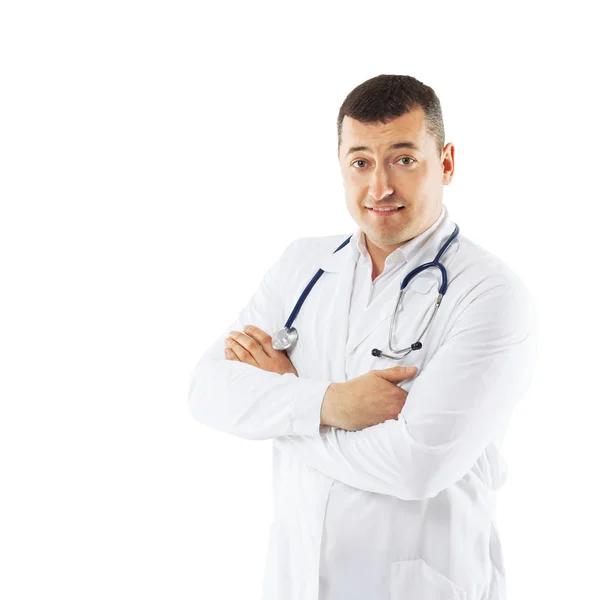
(290, 333)
(407, 279)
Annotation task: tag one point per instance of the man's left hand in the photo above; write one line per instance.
(255, 349)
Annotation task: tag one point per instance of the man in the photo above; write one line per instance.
(384, 479)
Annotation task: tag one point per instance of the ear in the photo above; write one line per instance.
(447, 163)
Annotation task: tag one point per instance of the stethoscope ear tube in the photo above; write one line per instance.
(379, 353)
(417, 345)
(442, 289)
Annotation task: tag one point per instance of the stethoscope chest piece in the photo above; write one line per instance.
(285, 338)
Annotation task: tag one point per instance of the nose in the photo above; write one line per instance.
(379, 185)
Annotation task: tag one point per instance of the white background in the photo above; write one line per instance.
(155, 158)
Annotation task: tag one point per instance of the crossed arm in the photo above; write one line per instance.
(458, 404)
(243, 399)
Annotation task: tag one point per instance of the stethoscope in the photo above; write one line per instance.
(287, 337)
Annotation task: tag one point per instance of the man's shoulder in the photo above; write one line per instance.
(313, 248)
(302, 257)
(321, 242)
(481, 270)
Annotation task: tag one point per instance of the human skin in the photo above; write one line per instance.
(382, 176)
(375, 174)
(254, 347)
(365, 400)
(360, 402)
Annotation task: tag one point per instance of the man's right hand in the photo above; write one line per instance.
(366, 400)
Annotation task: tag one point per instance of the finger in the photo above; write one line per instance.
(263, 338)
(229, 354)
(240, 352)
(250, 345)
(397, 373)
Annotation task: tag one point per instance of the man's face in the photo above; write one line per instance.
(380, 176)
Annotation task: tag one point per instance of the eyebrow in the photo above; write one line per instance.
(394, 146)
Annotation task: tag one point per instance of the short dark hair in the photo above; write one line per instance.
(386, 97)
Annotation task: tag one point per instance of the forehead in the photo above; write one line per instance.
(409, 127)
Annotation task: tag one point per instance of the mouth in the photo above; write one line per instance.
(384, 211)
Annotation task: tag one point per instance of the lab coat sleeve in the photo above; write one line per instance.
(243, 400)
(458, 404)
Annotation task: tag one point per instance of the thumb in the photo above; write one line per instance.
(397, 373)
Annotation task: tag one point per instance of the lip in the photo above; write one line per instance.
(383, 213)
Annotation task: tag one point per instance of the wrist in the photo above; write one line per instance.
(328, 411)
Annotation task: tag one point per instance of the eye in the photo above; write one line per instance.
(360, 160)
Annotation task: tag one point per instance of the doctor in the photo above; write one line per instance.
(384, 477)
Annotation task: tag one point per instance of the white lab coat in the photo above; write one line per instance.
(433, 472)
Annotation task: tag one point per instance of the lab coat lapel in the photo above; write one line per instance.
(339, 270)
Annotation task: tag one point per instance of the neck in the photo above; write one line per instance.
(378, 256)
(376, 271)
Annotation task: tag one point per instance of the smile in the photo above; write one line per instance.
(385, 211)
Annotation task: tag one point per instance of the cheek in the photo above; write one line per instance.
(351, 203)
(428, 179)
(415, 189)
(353, 194)
(355, 202)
